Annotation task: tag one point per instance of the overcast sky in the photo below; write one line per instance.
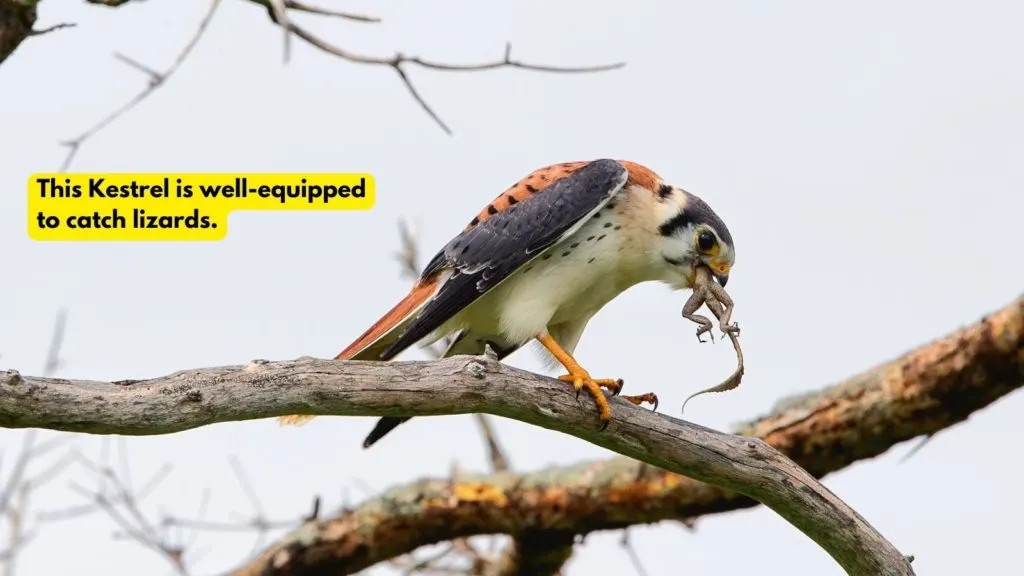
(872, 150)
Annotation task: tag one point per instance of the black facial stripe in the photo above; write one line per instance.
(677, 222)
(696, 212)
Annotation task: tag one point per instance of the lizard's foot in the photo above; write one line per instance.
(648, 398)
(704, 326)
(580, 379)
(733, 328)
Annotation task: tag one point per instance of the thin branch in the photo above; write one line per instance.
(495, 453)
(18, 490)
(53, 360)
(124, 508)
(280, 15)
(53, 28)
(156, 80)
(398, 62)
(301, 7)
(633, 556)
(278, 12)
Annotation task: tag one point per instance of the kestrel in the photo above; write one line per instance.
(542, 259)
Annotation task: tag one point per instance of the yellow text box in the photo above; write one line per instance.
(177, 206)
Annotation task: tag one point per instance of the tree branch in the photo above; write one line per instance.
(18, 16)
(929, 389)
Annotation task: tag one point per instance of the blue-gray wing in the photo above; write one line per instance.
(492, 248)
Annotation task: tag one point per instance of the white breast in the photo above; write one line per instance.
(572, 280)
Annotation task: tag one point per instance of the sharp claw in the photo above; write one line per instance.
(655, 409)
(605, 424)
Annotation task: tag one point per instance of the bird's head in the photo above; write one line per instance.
(691, 234)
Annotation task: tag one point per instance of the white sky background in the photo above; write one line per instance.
(872, 150)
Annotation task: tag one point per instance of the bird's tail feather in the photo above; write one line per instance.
(377, 338)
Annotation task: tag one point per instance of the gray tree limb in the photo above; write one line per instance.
(458, 385)
(929, 389)
(924, 391)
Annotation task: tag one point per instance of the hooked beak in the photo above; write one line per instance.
(721, 272)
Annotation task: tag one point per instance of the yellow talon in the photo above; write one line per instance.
(580, 378)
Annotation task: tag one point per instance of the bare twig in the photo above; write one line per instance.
(302, 7)
(280, 15)
(627, 544)
(53, 359)
(495, 453)
(278, 12)
(399, 61)
(17, 491)
(55, 27)
(123, 506)
(156, 80)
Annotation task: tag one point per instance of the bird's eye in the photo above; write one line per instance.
(705, 241)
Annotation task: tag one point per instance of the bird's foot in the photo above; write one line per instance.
(648, 398)
(580, 379)
(614, 385)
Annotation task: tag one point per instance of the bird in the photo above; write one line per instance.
(540, 260)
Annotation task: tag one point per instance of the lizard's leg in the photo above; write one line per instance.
(696, 300)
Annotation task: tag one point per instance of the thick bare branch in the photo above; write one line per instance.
(457, 385)
(929, 389)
